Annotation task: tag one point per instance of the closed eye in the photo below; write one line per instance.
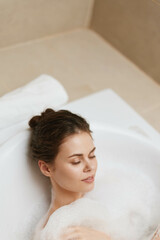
(75, 163)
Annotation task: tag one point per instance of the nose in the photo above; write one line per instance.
(88, 165)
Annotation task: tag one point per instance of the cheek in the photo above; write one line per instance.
(96, 163)
(70, 172)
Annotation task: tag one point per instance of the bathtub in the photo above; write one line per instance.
(25, 193)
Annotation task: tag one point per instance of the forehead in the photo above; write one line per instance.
(77, 142)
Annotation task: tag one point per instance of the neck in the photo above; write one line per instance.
(62, 197)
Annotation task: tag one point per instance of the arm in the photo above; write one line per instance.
(81, 233)
(156, 235)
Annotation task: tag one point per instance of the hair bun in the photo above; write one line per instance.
(34, 121)
(49, 110)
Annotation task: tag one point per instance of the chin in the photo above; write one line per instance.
(90, 188)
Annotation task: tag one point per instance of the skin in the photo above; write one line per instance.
(156, 235)
(66, 179)
(83, 233)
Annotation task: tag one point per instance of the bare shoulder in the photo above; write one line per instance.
(46, 221)
(40, 226)
(50, 212)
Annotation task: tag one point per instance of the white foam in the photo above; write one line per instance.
(132, 201)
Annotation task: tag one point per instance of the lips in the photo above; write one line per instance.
(90, 177)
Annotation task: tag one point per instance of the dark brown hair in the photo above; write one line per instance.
(50, 129)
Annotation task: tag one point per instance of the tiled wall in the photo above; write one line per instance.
(25, 20)
(133, 27)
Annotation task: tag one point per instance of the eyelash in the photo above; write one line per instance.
(79, 162)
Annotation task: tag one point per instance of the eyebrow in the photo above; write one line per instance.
(80, 154)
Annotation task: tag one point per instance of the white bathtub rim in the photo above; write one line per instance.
(123, 131)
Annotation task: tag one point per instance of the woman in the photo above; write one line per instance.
(62, 145)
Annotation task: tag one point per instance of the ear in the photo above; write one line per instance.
(44, 167)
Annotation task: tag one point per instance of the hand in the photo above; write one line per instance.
(83, 233)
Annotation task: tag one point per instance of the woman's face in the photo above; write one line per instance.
(75, 161)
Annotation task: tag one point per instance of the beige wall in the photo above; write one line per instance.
(24, 20)
(133, 27)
